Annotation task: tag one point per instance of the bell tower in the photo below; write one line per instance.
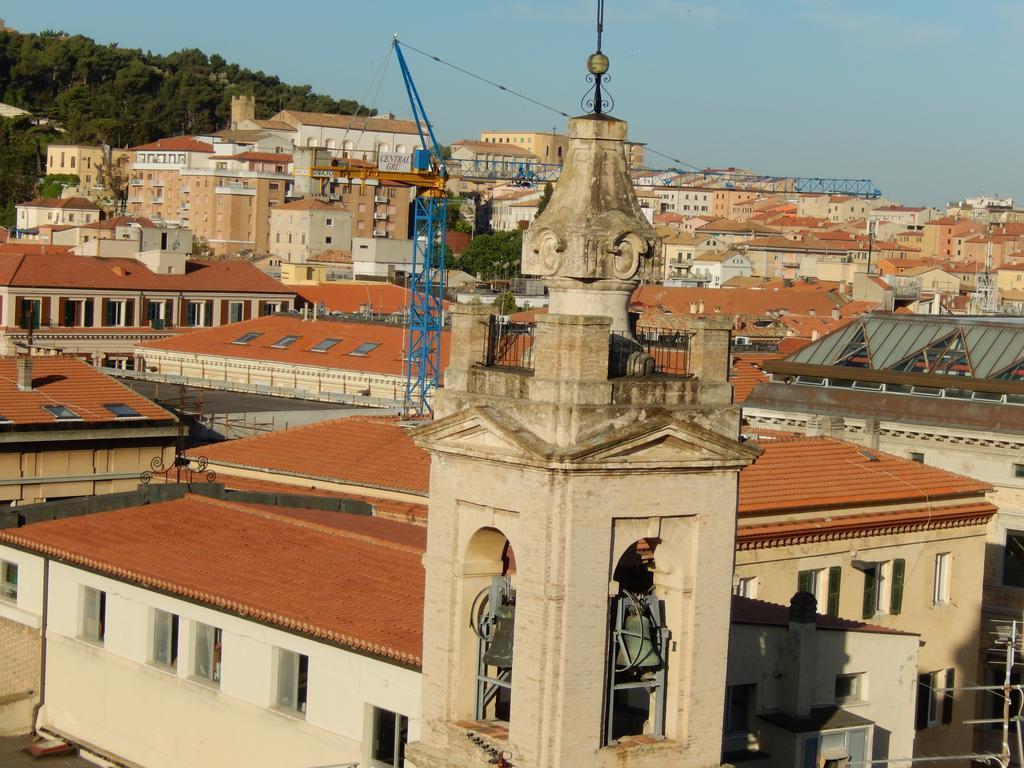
(582, 506)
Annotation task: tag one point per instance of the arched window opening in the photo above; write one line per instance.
(492, 619)
(638, 649)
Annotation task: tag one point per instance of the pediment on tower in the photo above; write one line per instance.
(663, 441)
(485, 432)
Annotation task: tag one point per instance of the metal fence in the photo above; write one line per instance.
(649, 353)
(509, 345)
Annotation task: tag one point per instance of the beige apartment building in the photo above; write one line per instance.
(55, 212)
(80, 160)
(224, 197)
(882, 538)
(548, 147)
(303, 229)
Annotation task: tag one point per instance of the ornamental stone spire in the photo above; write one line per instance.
(592, 244)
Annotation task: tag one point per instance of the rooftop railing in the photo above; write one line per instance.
(649, 353)
(509, 345)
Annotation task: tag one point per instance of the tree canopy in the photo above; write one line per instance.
(497, 255)
(105, 94)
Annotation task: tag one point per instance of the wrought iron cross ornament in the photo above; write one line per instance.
(597, 68)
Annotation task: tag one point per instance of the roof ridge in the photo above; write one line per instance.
(246, 508)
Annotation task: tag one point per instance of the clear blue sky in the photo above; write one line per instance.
(922, 96)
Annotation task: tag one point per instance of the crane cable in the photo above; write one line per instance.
(523, 96)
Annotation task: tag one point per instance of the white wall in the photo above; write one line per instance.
(111, 697)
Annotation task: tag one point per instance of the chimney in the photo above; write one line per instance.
(24, 373)
(836, 315)
(799, 655)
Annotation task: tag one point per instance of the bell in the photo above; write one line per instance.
(499, 651)
(636, 651)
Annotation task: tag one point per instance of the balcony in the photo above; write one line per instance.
(184, 190)
(235, 189)
(135, 200)
(158, 183)
(380, 199)
(184, 206)
(157, 200)
(135, 183)
(380, 233)
(380, 216)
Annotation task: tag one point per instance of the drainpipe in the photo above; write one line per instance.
(42, 645)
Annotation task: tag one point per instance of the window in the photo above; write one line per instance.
(390, 734)
(747, 587)
(328, 240)
(235, 311)
(292, 677)
(94, 614)
(324, 345)
(364, 349)
(329, 223)
(8, 580)
(1018, 471)
(833, 749)
(165, 639)
(245, 338)
(883, 587)
(918, 457)
(934, 699)
(62, 413)
(739, 705)
(207, 651)
(823, 583)
(940, 588)
(849, 688)
(122, 411)
(1013, 559)
(284, 342)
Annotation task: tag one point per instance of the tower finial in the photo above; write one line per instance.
(597, 68)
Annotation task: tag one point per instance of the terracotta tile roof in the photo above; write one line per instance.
(374, 452)
(308, 204)
(746, 373)
(495, 148)
(357, 583)
(176, 144)
(748, 611)
(815, 473)
(26, 267)
(74, 384)
(391, 509)
(295, 118)
(385, 358)
(74, 203)
(259, 157)
(736, 301)
(352, 296)
(120, 221)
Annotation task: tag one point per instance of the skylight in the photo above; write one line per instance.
(122, 411)
(247, 337)
(364, 349)
(62, 413)
(282, 343)
(324, 345)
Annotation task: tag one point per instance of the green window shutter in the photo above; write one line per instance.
(804, 581)
(870, 585)
(835, 575)
(899, 567)
(947, 699)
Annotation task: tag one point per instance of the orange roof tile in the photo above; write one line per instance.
(746, 610)
(357, 583)
(76, 203)
(387, 357)
(351, 297)
(259, 157)
(746, 373)
(74, 384)
(821, 473)
(27, 267)
(374, 452)
(736, 301)
(176, 144)
(308, 204)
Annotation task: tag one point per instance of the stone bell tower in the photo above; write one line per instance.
(582, 508)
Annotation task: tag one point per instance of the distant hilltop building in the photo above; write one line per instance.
(984, 201)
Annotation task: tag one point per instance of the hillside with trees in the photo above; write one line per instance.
(79, 91)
